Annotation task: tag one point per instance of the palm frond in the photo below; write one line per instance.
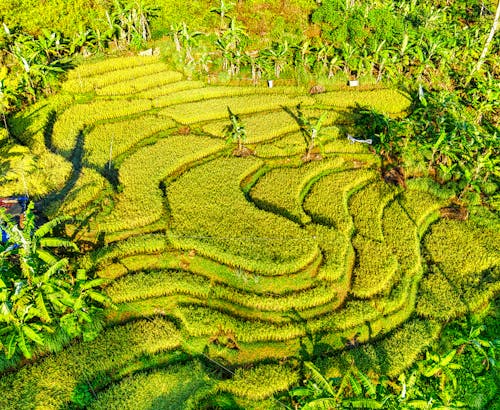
(321, 404)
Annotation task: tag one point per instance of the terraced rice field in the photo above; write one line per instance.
(227, 271)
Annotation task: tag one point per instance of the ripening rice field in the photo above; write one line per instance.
(229, 271)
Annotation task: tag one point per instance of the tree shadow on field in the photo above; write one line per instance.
(76, 160)
(310, 345)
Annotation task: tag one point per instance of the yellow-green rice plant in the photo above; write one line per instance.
(89, 187)
(375, 267)
(141, 201)
(463, 249)
(163, 283)
(158, 226)
(215, 109)
(419, 205)
(261, 381)
(338, 257)
(202, 321)
(249, 353)
(236, 278)
(175, 387)
(78, 116)
(401, 237)
(383, 100)
(32, 125)
(77, 84)
(171, 88)
(153, 243)
(209, 213)
(33, 175)
(281, 190)
(327, 201)
(265, 126)
(439, 298)
(154, 284)
(391, 355)
(137, 84)
(116, 138)
(366, 207)
(51, 381)
(91, 69)
(216, 92)
(288, 146)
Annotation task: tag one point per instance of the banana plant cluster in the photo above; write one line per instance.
(39, 295)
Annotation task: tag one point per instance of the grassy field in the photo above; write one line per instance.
(227, 271)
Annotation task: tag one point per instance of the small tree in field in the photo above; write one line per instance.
(235, 132)
(311, 128)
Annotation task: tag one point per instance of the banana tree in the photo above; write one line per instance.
(235, 132)
(354, 389)
(38, 294)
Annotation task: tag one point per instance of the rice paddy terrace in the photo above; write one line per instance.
(227, 271)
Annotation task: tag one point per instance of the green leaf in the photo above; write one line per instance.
(23, 346)
(93, 283)
(367, 383)
(98, 297)
(319, 378)
(321, 404)
(448, 358)
(363, 404)
(356, 386)
(31, 334)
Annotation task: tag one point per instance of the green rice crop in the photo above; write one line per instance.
(366, 207)
(110, 64)
(87, 84)
(143, 83)
(171, 88)
(447, 241)
(153, 243)
(210, 214)
(383, 100)
(175, 387)
(261, 381)
(79, 116)
(89, 187)
(264, 126)
(216, 92)
(141, 201)
(214, 109)
(391, 355)
(338, 257)
(281, 189)
(119, 137)
(51, 381)
(164, 283)
(375, 267)
(327, 201)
